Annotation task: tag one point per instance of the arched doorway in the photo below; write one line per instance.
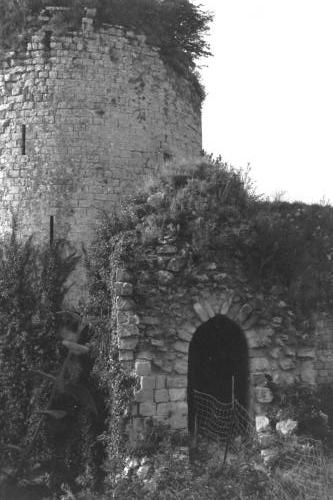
(218, 353)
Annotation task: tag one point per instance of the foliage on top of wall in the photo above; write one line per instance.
(176, 27)
(214, 210)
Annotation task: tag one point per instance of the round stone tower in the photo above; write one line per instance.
(84, 117)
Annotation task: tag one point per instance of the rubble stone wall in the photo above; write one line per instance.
(160, 308)
(84, 117)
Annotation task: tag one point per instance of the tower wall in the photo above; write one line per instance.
(84, 117)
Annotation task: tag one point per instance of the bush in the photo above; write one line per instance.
(47, 414)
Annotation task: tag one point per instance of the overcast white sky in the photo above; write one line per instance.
(270, 93)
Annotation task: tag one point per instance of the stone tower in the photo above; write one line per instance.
(84, 117)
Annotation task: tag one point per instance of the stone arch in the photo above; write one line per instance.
(218, 354)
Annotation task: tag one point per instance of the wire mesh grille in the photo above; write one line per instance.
(222, 421)
(299, 470)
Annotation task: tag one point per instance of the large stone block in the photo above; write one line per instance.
(182, 347)
(176, 382)
(142, 368)
(163, 409)
(126, 355)
(186, 332)
(178, 422)
(177, 394)
(160, 381)
(148, 382)
(128, 330)
(128, 343)
(147, 409)
(262, 423)
(259, 365)
(161, 395)
(143, 395)
(308, 373)
(181, 367)
(259, 337)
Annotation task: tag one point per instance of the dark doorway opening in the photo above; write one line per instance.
(218, 355)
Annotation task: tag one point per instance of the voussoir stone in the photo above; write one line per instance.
(201, 312)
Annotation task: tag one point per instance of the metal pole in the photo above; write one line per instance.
(195, 441)
(232, 422)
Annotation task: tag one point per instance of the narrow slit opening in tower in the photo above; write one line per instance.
(51, 230)
(218, 368)
(47, 40)
(23, 139)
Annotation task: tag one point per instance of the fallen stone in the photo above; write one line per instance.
(286, 427)
(268, 456)
(143, 471)
(128, 343)
(262, 423)
(156, 199)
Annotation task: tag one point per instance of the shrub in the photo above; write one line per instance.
(45, 421)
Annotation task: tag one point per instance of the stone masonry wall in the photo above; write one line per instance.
(84, 117)
(160, 308)
(324, 341)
